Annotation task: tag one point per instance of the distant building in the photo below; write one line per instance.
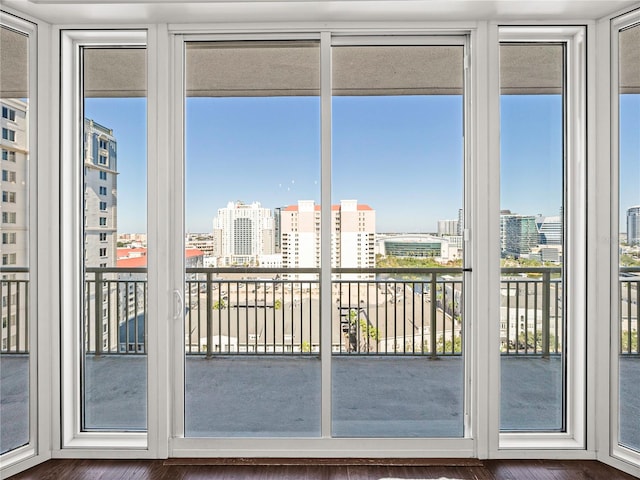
(205, 243)
(242, 232)
(549, 230)
(132, 296)
(15, 219)
(518, 234)
(100, 205)
(460, 231)
(277, 229)
(421, 246)
(448, 227)
(633, 225)
(353, 229)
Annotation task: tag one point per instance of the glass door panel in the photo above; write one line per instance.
(397, 248)
(15, 358)
(252, 240)
(114, 349)
(629, 239)
(532, 239)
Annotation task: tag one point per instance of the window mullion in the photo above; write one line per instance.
(325, 229)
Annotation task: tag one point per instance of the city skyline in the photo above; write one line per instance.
(127, 117)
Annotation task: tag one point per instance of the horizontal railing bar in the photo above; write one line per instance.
(630, 269)
(116, 269)
(5, 269)
(531, 270)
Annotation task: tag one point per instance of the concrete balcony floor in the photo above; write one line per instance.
(271, 396)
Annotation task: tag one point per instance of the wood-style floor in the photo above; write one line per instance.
(322, 469)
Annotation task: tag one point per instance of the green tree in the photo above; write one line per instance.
(277, 304)
(305, 347)
(448, 346)
(219, 305)
(629, 261)
(629, 339)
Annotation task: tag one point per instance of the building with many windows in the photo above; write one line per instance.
(244, 231)
(353, 228)
(549, 230)
(100, 201)
(518, 235)
(15, 221)
(633, 225)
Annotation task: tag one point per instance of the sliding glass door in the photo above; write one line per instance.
(251, 244)
(397, 219)
(322, 199)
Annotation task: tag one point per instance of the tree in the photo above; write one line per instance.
(627, 260)
(305, 347)
(277, 304)
(448, 346)
(629, 339)
(219, 305)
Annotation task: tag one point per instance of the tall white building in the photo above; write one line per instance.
(100, 205)
(244, 231)
(353, 228)
(14, 225)
(448, 227)
(101, 231)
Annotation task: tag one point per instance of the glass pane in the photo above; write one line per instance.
(532, 238)
(252, 314)
(14, 353)
(398, 179)
(629, 157)
(114, 356)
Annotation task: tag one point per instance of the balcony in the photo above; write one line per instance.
(391, 328)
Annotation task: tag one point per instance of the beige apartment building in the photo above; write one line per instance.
(15, 222)
(353, 228)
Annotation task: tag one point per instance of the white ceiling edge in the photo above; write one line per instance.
(67, 12)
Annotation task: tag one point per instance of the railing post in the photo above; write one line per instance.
(98, 313)
(210, 319)
(546, 307)
(432, 320)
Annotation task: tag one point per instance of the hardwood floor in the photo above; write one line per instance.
(322, 469)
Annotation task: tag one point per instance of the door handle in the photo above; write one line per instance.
(179, 304)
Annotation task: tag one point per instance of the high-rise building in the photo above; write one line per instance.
(245, 231)
(100, 205)
(518, 234)
(549, 230)
(460, 222)
(277, 229)
(448, 227)
(14, 225)
(101, 224)
(633, 225)
(353, 229)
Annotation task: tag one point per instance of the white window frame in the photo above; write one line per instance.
(562, 444)
(38, 447)
(74, 442)
(325, 445)
(616, 451)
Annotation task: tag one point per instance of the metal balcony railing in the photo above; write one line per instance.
(266, 311)
(629, 304)
(15, 309)
(531, 311)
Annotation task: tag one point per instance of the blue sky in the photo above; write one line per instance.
(401, 155)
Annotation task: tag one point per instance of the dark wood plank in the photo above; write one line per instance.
(417, 472)
(449, 462)
(554, 470)
(322, 469)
